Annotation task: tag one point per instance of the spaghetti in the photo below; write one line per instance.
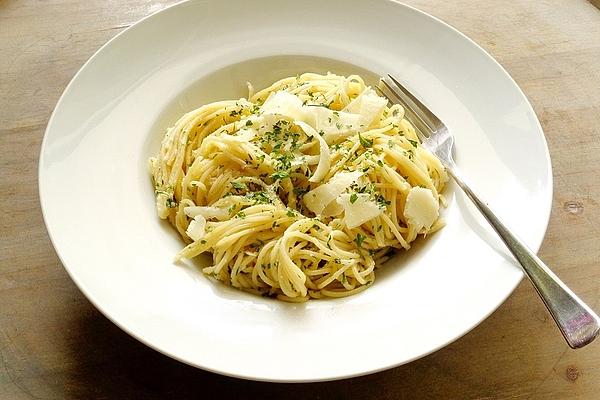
(299, 191)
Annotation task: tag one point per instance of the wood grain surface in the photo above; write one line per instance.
(55, 345)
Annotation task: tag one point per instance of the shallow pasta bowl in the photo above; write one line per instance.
(98, 201)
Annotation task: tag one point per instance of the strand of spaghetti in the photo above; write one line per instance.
(404, 164)
(395, 231)
(322, 284)
(343, 293)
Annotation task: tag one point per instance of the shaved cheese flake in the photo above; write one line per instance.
(319, 198)
(284, 103)
(267, 121)
(312, 160)
(334, 124)
(422, 208)
(196, 228)
(368, 105)
(360, 211)
(244, 135)
(206, 212)
(332, 210)
(357, 116)
(325, 159)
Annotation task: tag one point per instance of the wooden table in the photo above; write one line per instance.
(54, 344)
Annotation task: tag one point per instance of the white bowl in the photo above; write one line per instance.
(98, 204)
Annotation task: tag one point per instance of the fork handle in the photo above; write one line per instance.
(577, 322)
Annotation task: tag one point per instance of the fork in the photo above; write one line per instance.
(578, 324)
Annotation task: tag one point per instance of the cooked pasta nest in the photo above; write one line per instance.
(299, 191)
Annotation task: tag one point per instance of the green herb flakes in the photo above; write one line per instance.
(366, 143)
(359, 239)
(279, 175)
(238, 185)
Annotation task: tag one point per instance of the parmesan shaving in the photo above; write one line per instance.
(325, 159)
(319, 198)
(284, 103)
(206, 212)
(369, 106)
(422, 208)
(196, 228)
(360, 211)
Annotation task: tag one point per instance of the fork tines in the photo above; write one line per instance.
(424, 121)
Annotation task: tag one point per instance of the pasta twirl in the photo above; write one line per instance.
(299, 191)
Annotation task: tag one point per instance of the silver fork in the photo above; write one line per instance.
(577, 322)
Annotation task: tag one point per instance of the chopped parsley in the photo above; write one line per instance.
(171, 203)
(241, 214)
(258, 197)
(381, 201)
(353, 198)
(370, 188)
(238, 185)
(359, 239)
(414, 143)
(366, 143)
(279, 175)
